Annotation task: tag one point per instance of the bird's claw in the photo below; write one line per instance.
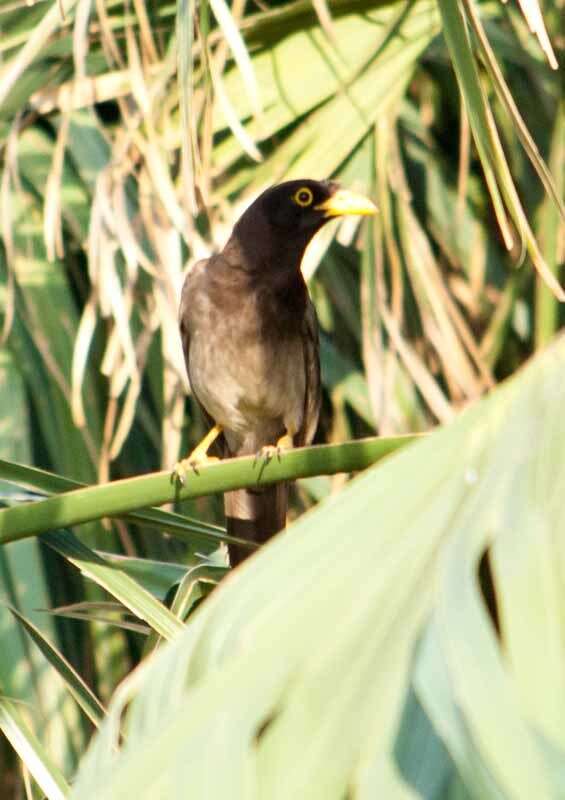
(267, 453)
(178, 474)
(191, 463)
(270, 451)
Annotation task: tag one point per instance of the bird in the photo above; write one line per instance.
(250, 339)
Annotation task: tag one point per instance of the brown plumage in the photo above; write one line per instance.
(250, 339)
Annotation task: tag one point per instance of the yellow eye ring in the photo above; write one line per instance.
(303, 197)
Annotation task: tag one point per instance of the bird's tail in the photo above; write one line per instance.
(255, 515)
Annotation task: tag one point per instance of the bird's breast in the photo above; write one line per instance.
(246, 367)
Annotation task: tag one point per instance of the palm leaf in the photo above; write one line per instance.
(300, 692)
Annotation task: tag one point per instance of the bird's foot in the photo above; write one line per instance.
(198, 458)
(270, 451)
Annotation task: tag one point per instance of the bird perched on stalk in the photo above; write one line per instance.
(250, 338)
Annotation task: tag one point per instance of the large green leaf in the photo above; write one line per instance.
(299, 691)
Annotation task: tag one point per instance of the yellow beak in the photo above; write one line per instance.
(344, 202)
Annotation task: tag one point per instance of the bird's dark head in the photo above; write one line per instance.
(278, 226)
(303, 206)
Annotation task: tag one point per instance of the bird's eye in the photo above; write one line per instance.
(303, 197)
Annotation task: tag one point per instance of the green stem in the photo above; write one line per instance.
(123, 496)
(186, 528)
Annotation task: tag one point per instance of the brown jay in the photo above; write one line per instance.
(250, 338)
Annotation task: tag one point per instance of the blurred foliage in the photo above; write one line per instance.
(131, 137)
(374, 669)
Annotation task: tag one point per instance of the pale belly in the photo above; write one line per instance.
(256, 393)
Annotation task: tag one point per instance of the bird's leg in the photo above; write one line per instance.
(199, 455)
(269, 451)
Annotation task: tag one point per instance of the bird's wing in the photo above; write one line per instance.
(192, 283)
(313, 394)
